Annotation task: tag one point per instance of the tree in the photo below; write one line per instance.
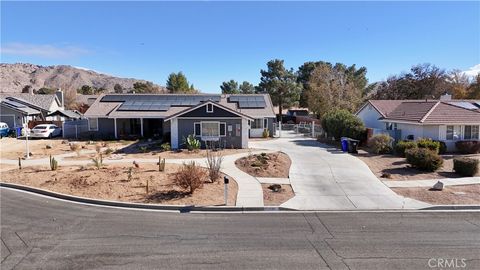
(178, 83)
(117, 88)
(26, 89)
(473, 91)
(45, 91)
(281, 84)
(86, 90)
(342, 123)
(335, 87)
(230, 87)
(145, 87)
(247, 88)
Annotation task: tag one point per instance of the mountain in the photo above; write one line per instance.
(14, 77)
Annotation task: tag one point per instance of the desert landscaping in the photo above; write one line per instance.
(265, 164)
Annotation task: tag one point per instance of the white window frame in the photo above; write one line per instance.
(262, 123)
(211, 108)
(91, 120)
(204, 122)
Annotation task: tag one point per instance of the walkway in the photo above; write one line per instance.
(324, 178)
(250, 193)
(431, 182)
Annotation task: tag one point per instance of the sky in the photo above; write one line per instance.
(212, 42)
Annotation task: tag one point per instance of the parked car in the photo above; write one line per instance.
(4, 129)
(45, 131)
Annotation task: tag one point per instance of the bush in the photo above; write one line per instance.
(381, 144)
(402, 146)
(214, 164)
(190, 176)
(165, 146)
(424, 159)
(265, 133)
(341, 123)
(468, 147)
(443, 148)
(465, 166)
(429, 144)
(191, 142)
(76, 147)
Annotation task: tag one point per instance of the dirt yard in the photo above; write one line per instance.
(111, 183)
(12, 148)
(272, 198)
(467, 194)
(181, 154)
(265, 165)
(399, 169)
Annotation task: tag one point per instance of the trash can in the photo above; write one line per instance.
(19, 131)
(352, 146)
(344, 142)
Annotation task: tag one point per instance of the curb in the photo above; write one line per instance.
(453, 207)
(180, 208)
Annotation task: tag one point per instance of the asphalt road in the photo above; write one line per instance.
(42, 233)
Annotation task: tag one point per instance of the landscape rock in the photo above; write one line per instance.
(438, 186)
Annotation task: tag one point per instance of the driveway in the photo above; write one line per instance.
(324, 178)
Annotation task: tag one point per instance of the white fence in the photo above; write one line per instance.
(302, 129)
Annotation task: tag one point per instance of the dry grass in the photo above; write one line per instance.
(399, 169)
(467, 194)
(271, 198)
(265, 165)
(111, 183)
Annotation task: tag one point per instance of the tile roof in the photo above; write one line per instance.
(110, 109)
(42, 101)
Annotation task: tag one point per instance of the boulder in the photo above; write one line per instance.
(438, 186)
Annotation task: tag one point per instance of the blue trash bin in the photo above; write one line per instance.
(19, 131)
(344, 142)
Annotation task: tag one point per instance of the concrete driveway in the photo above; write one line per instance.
(324, 178)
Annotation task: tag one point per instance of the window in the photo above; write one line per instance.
(265, 123)
(93, 124)
(209, 108)
(391, 126)
(257, 123)
(197, 128)
(471, 133)
(210, 129)
(223, 129)
(453, 133)
(450, 131)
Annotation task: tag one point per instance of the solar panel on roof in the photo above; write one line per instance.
(464, 104)
(15, 104)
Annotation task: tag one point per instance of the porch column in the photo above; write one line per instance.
(115, 127)
(174, 133)
(141, 127)
(245, 130)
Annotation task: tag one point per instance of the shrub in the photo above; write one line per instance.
(381, 144)
(402, 146)
(468, 147)
(265, 133)
(428, 144)
(191, 143)
(98, 161)
(109, 151)
(76, 148)
(443, 148)
(424, 159)
(143, 149)
(165, 146)
(465, 166)
(98, 148)
(214, 164)
(189, 176)
(341, 123)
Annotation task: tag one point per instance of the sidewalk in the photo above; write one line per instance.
(431, 182)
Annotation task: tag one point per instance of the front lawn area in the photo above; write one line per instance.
(467, 194)
(399, 169)
(265, 165)
(112, 183)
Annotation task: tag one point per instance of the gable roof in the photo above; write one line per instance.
(110, 105)
(19, 107)
(73, 114)
(433, 112)
(43, 102)
(383, 106)
(204, 104)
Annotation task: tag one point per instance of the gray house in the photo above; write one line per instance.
(228, 120)
(17, 114)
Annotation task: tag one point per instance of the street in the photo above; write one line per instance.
(42, 233)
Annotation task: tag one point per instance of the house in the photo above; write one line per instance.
(229, 120)
(445, 120)
(46, 104)
(17, 114)
(65, 115)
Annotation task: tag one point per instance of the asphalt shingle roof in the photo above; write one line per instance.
(42, 101)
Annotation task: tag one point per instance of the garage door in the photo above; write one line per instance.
(9, 119)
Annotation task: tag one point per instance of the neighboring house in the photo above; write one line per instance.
(46, 104)
(65, 115)
(229, 120)
(444, 120)
(17, 114)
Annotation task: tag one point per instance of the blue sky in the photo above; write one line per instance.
(213, 42)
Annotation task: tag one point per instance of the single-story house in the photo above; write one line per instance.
(65, 115)
(46, 104)
(17, 114)
(445, 120)
(229, 120)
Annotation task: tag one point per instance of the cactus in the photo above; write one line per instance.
(130, 174)
(98, 161)
(161, 164)
(19, 163)
(53, 163)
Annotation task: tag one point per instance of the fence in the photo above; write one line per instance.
(32, 124)
(302, 129)
(75, 129)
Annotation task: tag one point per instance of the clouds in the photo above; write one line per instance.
(473, 71)
(42, 50)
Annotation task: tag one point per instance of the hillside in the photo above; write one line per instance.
(14, 77)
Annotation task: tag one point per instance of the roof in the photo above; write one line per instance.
(434, 112)
(86, 99)
(110, 105)
(73, 114)
(22, 108)
(203, 104)
(44, 102)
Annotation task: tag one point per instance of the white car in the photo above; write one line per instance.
(45, 131)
